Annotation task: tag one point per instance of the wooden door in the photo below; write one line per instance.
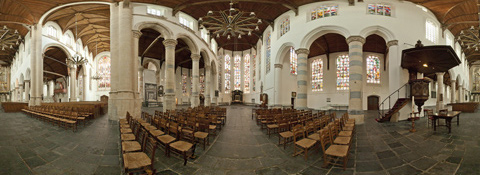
(372, 102)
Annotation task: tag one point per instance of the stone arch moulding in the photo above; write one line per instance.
(452, 74)
(206, 57)
(282, 51)
(386, 34)
(54, 44)
(190, 42)
(157, 65)
(314, 34)
(164, 31)
(22, 79)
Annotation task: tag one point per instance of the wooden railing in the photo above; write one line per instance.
(397, 94)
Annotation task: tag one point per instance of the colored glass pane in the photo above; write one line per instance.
(238, 75)
(246, 61)
(103, 70)
(317, 75)
(227, 73)
(373, 69)
(343, 72)
(293, 61)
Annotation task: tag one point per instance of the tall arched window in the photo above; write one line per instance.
(284, 26)
(238, 75)
(103, 69)
(184, 83)
(293, 61)
(373, 69)
(431, 31)
(343, 72)
(80, 85)
(52, 31)
(254, 71)
(267, 61)
(317, 75)
(246, 61)
(227, 74)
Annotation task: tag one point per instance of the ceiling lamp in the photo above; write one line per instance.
(77, 59)
(469, 39)
(9, 38)
(230, 22)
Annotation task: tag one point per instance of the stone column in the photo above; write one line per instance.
(215, 88)
(355, 102)
(114, 13)
(278, 83)
(124, 78)
(392, 63)
(195, 75)
(73, 82)
(141, 89)
(440, 90)
(207, 85)
(33, 63)
(460, 93)
(27, 90)
(452, 100)
(169, 99)
(302, 78)
(20, 89)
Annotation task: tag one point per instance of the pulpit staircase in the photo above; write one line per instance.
(400, 102)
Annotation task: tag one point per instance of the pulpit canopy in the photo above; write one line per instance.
(429, 59)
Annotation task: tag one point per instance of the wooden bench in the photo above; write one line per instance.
(465, 107)
(13, 106)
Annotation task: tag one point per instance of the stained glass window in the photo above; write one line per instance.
(254, 72)
(267, 61)
(103, 70)
(246, 61)
(80, 85)
(284, 26)
(184, 83)
(323, 11)
(293, 61)
(379, 9)
(191, 85)
(202, 83)
(343, 72)
(317, 75)
(238, 75)
(373, 69)
(219, 77)
(227, 74)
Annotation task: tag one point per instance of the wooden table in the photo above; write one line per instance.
(448, 119)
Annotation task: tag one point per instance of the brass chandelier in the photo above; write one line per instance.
(77, 59)
(9, 38)
(231, 22)
(469, 39)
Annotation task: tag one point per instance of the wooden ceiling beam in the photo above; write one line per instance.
(467, 14)
(149, 47)
(453, 7)
(55, 60)
(190, 3)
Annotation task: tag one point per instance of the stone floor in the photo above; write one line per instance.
(29, 146)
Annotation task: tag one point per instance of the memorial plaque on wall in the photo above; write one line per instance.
(150, 92)
(160, 91)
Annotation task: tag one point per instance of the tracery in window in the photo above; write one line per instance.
(324, 11)
(103, 70)
(379, 9)
(373, 70)
(227, 73)
(254, 72)
(317, 75)
(246, 61)
(284, 26)
(293, 61)
(238, 75)
(343, 72)
(267, 61)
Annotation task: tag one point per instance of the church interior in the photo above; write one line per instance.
(239, 87)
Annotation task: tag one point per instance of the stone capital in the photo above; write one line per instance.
(170, 42)
(302, 51)
(392, 43)
(439, 74)
(26, 81)
(136, 33)
(453, 81)
(195, 57)
(278, 66)
(355, 38)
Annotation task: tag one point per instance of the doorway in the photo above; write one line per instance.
(372, 102)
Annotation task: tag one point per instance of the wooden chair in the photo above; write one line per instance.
(284, 135)
(273, 125)
(304, 144)
(333, 152)
(429, 114)
(166, 139)
(134, 146)
(202, 133)
(183, 147)
(141, 161)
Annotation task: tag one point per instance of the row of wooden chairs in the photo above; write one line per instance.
(65, 119)
(83, 111)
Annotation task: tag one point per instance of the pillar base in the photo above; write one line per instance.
(169, 102)
(359, 118)
(119, 103)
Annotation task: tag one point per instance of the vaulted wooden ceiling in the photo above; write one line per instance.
(454, 15)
